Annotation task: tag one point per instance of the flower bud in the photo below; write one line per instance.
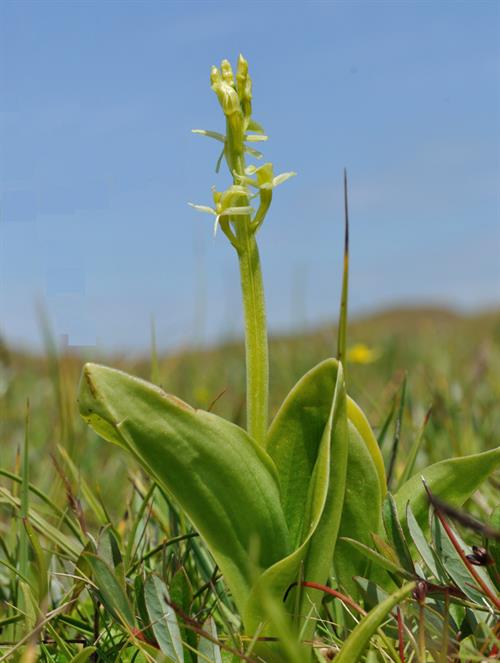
(227, 72)
(479, 556)
(227, 95)
(420, 592)
(215, 77)
(244, 87)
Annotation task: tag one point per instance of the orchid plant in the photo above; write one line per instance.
(289, 503)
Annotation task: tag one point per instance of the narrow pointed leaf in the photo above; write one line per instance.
(163, 619)
(395, 533)
(453, 480)
(454, 564)
(112, 593)
(377, 558)
(225, 483)
(426, 552)
(210, 651)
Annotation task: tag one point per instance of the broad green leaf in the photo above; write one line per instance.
(361, 514)
(112, 594)
(359, 638)
(358, 419)
(453, 481)
(317, 437)
(210, 651)
(163, 619)
(226, 484)
(294, 439)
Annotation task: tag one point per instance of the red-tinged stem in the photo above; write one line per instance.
(451, 535)
(421, 632)
(401, 636)
(338, 595)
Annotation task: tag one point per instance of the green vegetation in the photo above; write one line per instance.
(310, 538)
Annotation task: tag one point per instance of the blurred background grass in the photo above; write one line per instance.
(452, 364)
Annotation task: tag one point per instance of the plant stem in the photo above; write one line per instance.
(254, 311)
(256, 347)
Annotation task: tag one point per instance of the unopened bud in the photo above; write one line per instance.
(215, 77)
(479, 556)
(227, 72)
(420, 591)
(244, 86)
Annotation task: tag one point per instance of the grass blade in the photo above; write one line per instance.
(342, 331)
(359, 638)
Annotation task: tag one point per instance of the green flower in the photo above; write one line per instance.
(227, 204)
(264, 181)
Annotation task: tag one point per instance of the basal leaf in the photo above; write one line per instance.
(314, 518)
(358, 419)
(453, 481)
(294, 440)
(361, 514)
(225, 483)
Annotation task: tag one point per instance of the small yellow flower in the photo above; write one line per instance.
(362, 354)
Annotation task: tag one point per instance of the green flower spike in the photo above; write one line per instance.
(239, 223)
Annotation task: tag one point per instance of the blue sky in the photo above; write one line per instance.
(98, 162)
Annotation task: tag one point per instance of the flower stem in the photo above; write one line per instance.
(256, 346)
